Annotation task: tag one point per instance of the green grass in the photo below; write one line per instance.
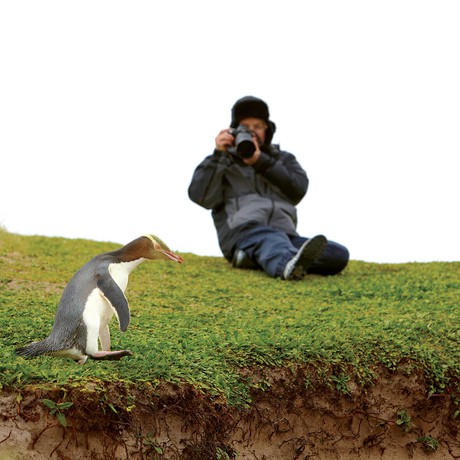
(203, 322)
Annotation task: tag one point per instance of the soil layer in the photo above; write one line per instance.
(391, 419)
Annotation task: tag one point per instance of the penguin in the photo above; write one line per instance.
(91, 298)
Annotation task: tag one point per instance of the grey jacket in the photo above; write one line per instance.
(242, 197)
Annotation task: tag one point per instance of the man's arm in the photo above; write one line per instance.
(206, 186)
(285, 172)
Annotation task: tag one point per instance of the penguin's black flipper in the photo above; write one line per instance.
(115, 296)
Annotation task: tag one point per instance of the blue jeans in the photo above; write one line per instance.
(271, 249)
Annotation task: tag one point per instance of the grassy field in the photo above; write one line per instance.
(203, 322)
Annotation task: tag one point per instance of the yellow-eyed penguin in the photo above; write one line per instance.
(92, 297)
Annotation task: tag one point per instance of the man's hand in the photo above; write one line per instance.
(224, 140)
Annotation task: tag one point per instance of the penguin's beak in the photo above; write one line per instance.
(174, 257)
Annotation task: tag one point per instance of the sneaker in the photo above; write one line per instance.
(297, 267)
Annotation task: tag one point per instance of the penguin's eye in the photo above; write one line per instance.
(157, 247)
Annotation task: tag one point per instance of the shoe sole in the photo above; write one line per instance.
(310, 252)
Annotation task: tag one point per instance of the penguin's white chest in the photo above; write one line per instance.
(120, 272)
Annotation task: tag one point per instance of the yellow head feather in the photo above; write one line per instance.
(155, 240)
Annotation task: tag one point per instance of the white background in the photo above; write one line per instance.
(107, 107)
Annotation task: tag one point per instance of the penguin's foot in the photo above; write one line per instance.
(111, 355)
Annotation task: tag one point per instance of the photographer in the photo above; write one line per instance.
(252, 188)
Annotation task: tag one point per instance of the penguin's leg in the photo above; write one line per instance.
(92, 316)
(82, 360)
(104, 337)
(75, 353)
(105, 353)
(98, 327)
(107, 312)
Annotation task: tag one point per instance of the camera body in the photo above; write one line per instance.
(244, 143)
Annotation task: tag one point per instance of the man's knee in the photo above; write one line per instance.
(334, 259)
(342, 256)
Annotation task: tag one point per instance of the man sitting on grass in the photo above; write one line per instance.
(253, 188)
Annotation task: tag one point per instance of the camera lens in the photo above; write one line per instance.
(245, 149)
(244, 143)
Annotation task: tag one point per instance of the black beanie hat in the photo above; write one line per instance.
(253, 107)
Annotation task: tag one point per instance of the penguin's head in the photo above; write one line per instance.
(157, 249)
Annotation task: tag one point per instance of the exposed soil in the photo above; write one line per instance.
(286, 420)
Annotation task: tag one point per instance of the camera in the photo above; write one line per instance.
(244, 143)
